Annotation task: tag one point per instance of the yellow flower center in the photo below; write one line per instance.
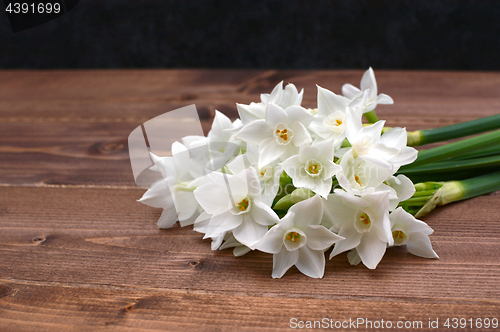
(313, 168)
(399, 237)
(283, 134)
(293, 236)
(243, 205)
(365, 219)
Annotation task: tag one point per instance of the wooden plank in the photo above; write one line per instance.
(25, 307)
(138, 95)
(90, 257)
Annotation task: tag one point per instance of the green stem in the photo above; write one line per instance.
(455, 149)
(371, 117)
(450, 176)
(481, 185)
(424, 193)
(463, 129)
(459, 190)
(490, 151)
(455, 165)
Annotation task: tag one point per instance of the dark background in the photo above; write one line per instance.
(413, 34)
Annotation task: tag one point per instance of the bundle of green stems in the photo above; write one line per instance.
(454, 171)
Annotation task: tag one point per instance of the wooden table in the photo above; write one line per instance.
(77, 252)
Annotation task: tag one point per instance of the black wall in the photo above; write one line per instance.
(412, 34)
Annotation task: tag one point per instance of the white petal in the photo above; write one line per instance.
(275, 115)
(300, 134)
(275, 96)
(269, 151)
(292, 165)
(406, 156)
(325, 150)
(240, 251)
(249, 232)
(299, 114)
(420, 245)
(353, 124)
(221, 122)
(368, 82)
(255, 132)
(186, 206)
(408, 222)
(354, 201)
(222, 223)
(394, 137)
(322, 187)
(271, 242)
(238, 164)
(350, 91)
(320, 238)
(352, 239)
(377, 161)
(371, 250)
(217, 241)
(404, 189)
(178, 148)
(284, 260)
(252, 180)
(239, 185)
(263, 214)
(373, 131)
(250, 113)
(311, 262)
(213, 197)
(201, 223)
(308, 212)
(329, 102)
(168, 218)
(419, 226)
(317, 127)
(194, 141)
(384, 99)
(353, 257)
(158, 196)
(230, 242)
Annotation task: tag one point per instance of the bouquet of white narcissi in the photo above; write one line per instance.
(294, 182)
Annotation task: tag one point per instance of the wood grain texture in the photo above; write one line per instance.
(77, 252)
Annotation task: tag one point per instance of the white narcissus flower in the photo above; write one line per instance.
(368, 82)
(269, 175)
(363, 222)
(313, 167)
(406, 230)
(174, 193)
(282, 97)
(280, 134)
(234, 203)
(213, 151)
(221, 131)
(299, 239)
(329, 122)
(388, 151)
(357, 175)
